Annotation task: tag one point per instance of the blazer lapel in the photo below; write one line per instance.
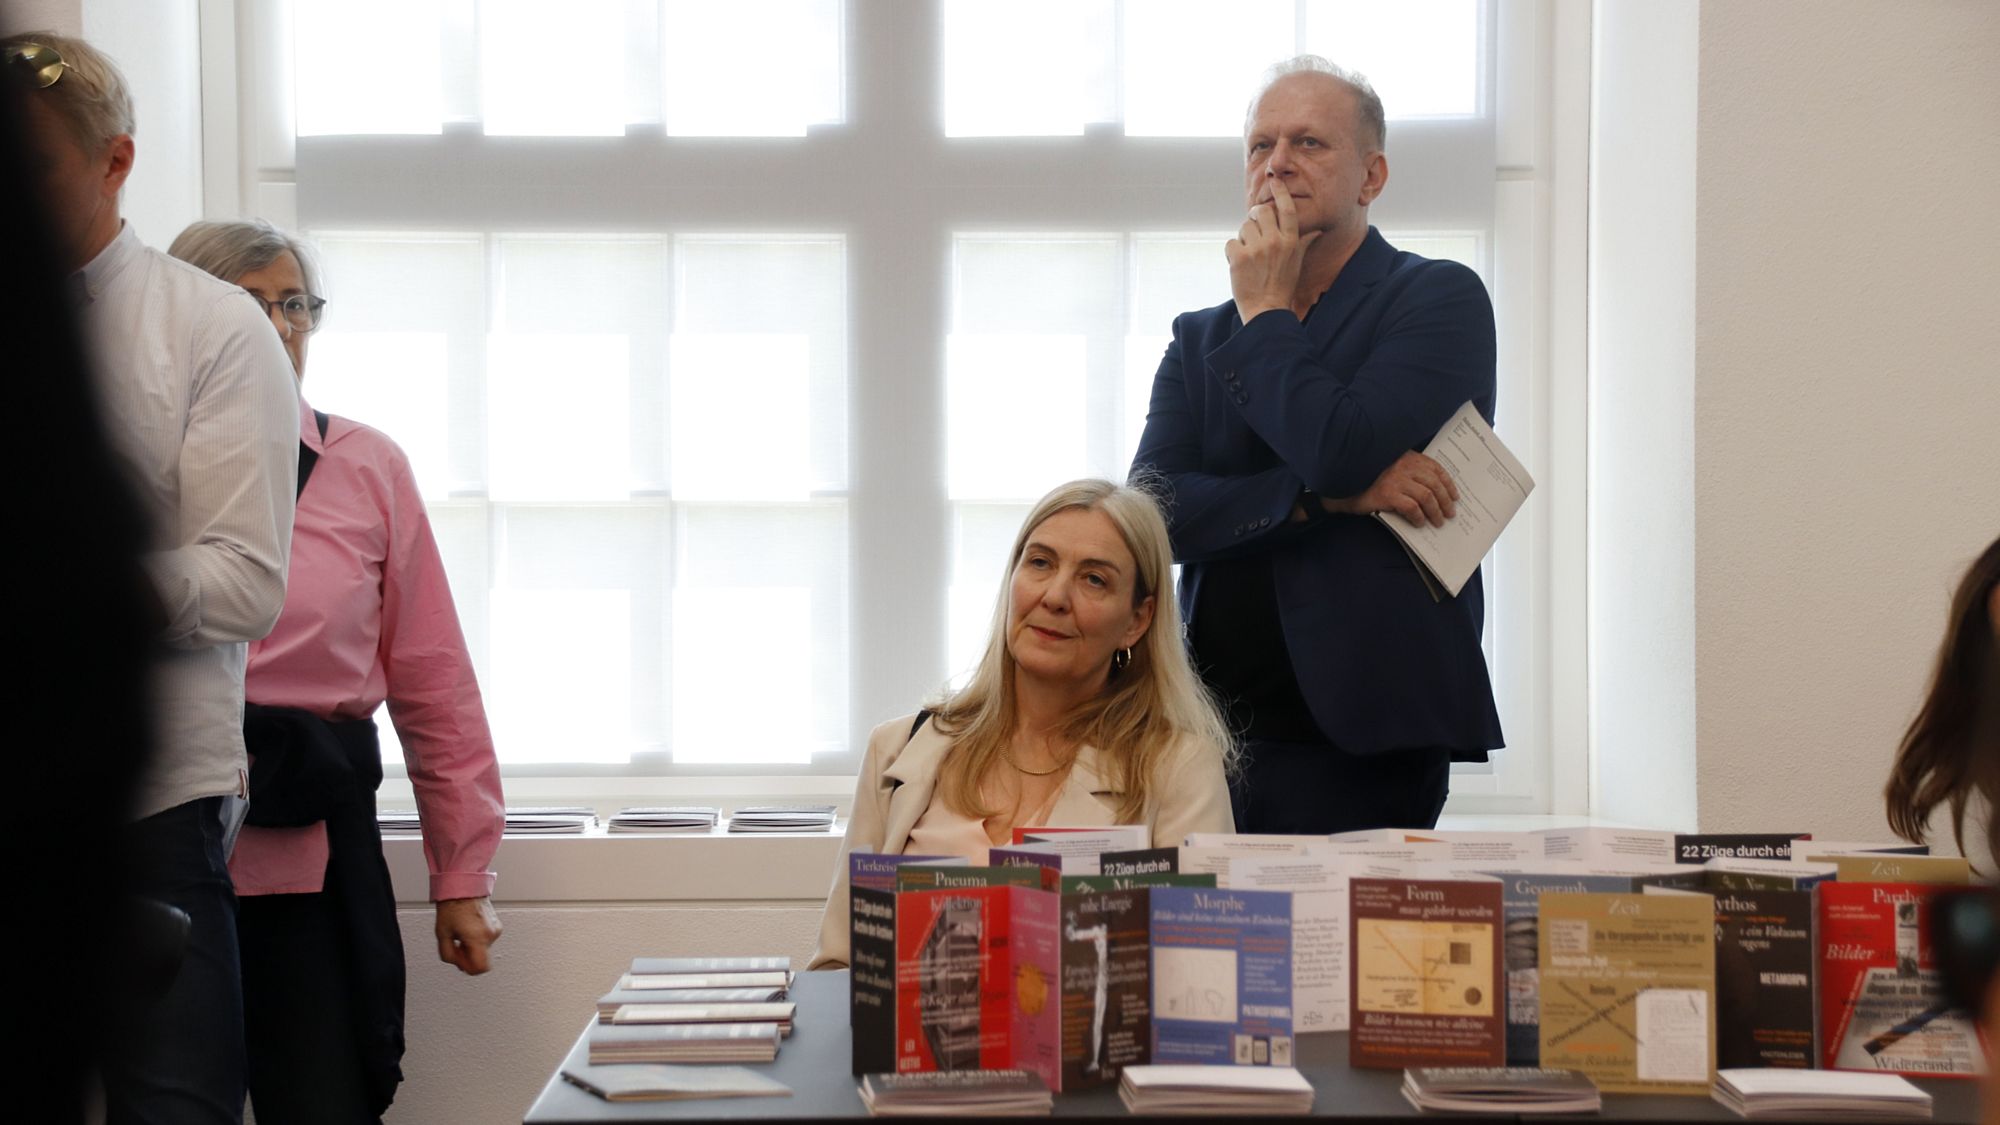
(1086, 798)
(1368, 265)
(913, 774)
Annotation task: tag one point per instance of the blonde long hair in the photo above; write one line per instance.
(1145, 708)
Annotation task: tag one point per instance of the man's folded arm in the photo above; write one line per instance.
(1434, 354)
(238, 473)
(1209, 515)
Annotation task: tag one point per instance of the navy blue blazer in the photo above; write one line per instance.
(1244, 416)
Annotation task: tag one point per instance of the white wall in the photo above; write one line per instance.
(1642, 391)
(1848, 358)
(157, 43)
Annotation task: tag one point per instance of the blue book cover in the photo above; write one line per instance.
(1222, 976)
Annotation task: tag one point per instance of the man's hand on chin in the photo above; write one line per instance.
(1266, 255)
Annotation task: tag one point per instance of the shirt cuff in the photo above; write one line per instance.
(461, 884)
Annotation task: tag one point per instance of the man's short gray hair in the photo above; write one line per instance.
(1373, 125)
(91, 95)
(230, 250)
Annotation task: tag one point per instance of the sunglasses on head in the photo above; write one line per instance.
(39, 64)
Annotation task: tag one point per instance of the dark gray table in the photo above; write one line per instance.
(814, 1063)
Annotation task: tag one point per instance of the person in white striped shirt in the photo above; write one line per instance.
(198, 399)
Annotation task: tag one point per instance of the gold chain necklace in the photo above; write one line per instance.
(1009, 759)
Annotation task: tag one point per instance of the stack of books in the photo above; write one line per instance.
(779, 1012)
(1500, 1089)
(1209, 1090)
(1820, 1095)
(782, 818)
(957, 1093)
(666, 818)
(397, 822)
(562, 820)
(683, 1042)
(609, 1003)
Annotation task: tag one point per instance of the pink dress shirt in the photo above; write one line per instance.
(368, 616)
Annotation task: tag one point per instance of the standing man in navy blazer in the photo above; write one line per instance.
(1281, 421)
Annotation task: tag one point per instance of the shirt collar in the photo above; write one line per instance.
(88, 283)
(309, 427)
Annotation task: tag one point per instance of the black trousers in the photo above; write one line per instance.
(180, 1058)
(306, 1063)
(1312, 789)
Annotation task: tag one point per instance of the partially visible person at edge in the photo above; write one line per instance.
(1083, 710)
(93, 621)
(368, 617)
(198, 404)
(1282, 421)
(1950, 756)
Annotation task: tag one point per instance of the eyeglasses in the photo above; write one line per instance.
(38, 64)
(302, 310)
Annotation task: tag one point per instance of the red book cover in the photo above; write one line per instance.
(1881, 1002)
(976, 981)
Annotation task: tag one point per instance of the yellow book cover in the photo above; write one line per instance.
(1628, 990)
(1900, 868)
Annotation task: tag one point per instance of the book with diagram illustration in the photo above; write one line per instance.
(1628, 990)
(1426, 981)
(1222, 976)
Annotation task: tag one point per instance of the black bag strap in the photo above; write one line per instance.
(922, 718)
(308, 456)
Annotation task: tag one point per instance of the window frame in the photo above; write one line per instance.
(1536, 88)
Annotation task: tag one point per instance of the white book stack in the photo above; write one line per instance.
(957, 1093)
(1821, 1095)
(782, 818)
(779, 1012)
(609, 1003)
(563, 820)
(683, 1043)
(1213, 1090)
(666, 818)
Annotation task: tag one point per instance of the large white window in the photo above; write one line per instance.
(731, 343)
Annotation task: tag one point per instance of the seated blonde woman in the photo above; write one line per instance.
(1083, 710)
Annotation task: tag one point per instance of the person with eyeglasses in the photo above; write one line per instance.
(193, 389)
(368, 618)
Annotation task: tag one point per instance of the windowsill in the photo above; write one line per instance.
(604, 868)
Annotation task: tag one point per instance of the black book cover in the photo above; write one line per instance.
(1702, 847)
(871, 979)
(1763, 978)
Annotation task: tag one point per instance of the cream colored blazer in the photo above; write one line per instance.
(900, 773)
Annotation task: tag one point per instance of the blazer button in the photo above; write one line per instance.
(1241, 399)
(1239, 530)
(1265, 522)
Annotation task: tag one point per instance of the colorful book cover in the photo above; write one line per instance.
(976, 973)
(1222, 976)
(1690, 847)
(1881, 1001)
(1425, 973)
(877, 870)
(871, 943)
(1106, 984)
(938, 877)
(1628, 990)
(1763, 975)
(1765, 874)
(1092, 884)
(1140, 861)
(1521, 904)
(1953, 869)
(1033, 856)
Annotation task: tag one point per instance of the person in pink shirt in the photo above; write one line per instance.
(368, 617)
